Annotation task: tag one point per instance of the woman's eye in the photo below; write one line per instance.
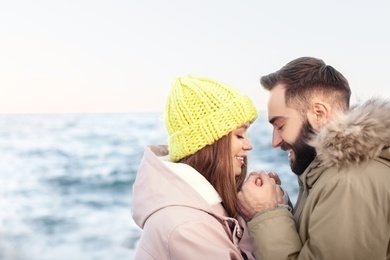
(240, 137)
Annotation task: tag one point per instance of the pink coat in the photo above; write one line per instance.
(181, 214)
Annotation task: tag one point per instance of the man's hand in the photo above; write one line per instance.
(258, 193)
(275, 177)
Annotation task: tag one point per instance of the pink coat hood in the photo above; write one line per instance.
(173, 202)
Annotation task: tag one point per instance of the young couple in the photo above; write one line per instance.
(191, 198)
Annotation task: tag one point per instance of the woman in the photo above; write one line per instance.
(186, 200)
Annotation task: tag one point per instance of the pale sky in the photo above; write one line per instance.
(122, 56)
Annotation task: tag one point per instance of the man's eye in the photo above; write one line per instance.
(280, 127)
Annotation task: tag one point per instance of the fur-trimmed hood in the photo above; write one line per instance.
(356, 136)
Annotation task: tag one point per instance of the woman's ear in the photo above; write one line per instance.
(318, 114)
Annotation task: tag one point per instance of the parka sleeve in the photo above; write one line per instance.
(274, 235)
(198, 239)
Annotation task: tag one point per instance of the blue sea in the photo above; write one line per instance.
(66, 181)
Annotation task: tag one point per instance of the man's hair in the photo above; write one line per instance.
(307, 77)
(215, 163)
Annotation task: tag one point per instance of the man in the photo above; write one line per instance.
(342, 159)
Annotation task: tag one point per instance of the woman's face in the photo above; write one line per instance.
(240, 144)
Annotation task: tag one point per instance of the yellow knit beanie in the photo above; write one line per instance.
(200, 111)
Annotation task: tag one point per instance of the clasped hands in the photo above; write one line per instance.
(259, 192)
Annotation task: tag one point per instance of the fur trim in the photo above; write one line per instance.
(355, 137)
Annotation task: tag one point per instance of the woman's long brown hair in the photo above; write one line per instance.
(215, 163)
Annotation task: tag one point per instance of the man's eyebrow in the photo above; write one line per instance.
(273, 119)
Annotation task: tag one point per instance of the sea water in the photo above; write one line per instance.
(66, 181)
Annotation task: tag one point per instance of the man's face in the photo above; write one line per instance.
(290, 132)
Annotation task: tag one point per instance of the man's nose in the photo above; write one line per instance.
(276, 139)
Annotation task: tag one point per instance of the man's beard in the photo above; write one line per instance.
(304, 153)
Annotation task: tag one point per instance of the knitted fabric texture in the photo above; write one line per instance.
(200, 111)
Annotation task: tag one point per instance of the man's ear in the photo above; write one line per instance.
(318, 114)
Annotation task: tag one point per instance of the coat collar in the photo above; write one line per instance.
(196, 180)
(356, 136)
(188, 174)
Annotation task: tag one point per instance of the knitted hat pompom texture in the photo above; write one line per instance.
(200, 111)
